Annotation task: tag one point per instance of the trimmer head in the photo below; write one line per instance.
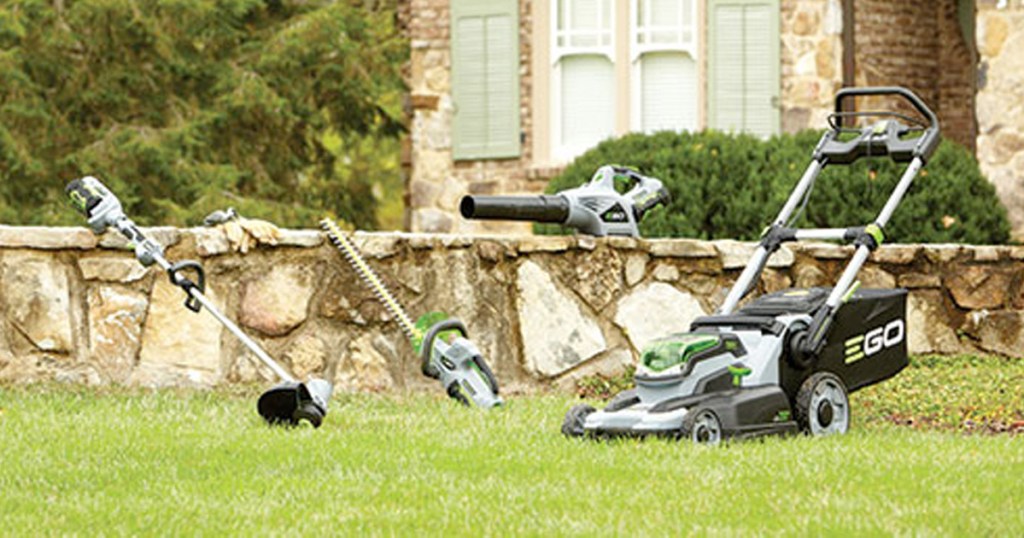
(292, 402)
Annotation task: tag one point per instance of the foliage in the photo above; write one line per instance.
(968, 393)
(137, 462)
(184, 106)
(605, 387)
(732, 186)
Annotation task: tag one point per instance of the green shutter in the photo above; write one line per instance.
(485, 78)
(743, 66)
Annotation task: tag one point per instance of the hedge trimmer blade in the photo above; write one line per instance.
(446, 353)
(356, 260)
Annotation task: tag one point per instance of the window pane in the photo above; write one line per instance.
(665, 12)
(588, 102)
(669, 92)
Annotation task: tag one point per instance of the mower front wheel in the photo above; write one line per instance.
(572, 426)
(702, 426)
(822, 405)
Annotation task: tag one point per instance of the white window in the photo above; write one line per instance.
(583, 81)
(665, 77)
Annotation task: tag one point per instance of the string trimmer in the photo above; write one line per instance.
(445, 351)
(287, 403)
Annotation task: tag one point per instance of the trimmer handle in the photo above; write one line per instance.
(94, 200)
(427, 347)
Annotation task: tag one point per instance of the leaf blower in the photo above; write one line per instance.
(596, 208)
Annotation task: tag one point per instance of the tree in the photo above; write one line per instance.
(184, 106)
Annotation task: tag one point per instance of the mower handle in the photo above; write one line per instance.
(933, 120)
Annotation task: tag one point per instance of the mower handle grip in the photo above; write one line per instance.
(911, 97)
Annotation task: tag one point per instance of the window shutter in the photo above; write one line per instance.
(485, 78)
(743, 66)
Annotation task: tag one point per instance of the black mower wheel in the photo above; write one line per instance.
(572, 426)
(702, 426)
(823, 405)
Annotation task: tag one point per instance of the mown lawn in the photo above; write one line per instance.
(920, 459)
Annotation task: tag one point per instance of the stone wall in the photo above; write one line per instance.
(543, 309)
(1000, 102)
(812, 61)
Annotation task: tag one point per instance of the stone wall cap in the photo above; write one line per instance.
(826, 251)
(47, 238)
(300, 238)
(896, 254)
(680, 248)
(167, 236)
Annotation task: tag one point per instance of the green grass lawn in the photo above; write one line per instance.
(919, 459)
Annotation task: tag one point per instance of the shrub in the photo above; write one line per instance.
(732, 186)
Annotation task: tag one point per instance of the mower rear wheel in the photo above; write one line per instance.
(702, 426)
(572, 426)
(822, 405)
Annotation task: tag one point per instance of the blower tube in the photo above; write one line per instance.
(542, 208)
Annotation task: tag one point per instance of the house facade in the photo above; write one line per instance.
(504, 93)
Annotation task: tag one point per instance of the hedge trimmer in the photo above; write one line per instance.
(446, 353)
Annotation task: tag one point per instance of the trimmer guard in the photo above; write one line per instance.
(292, 402)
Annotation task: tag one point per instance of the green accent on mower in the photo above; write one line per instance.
(738, 372)
(667, 352)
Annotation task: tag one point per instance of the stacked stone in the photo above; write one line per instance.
(812, 62)
(543, 309)
(1000, 102)
(436, 182)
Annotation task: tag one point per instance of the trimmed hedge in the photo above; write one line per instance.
(732, 186)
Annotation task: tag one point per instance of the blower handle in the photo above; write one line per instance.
(647, 193)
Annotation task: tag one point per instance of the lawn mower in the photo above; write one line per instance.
(785, 362)
(595, 208)
(289, 402)
(446, 353)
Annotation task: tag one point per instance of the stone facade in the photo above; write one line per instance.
(812, 61)
(919, 44)
(924, 45)
(543, 309)
(435, 181)
(1000, 102)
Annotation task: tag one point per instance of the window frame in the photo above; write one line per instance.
(691, 48)
(560, 153)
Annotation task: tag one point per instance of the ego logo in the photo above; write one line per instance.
(874, 341)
